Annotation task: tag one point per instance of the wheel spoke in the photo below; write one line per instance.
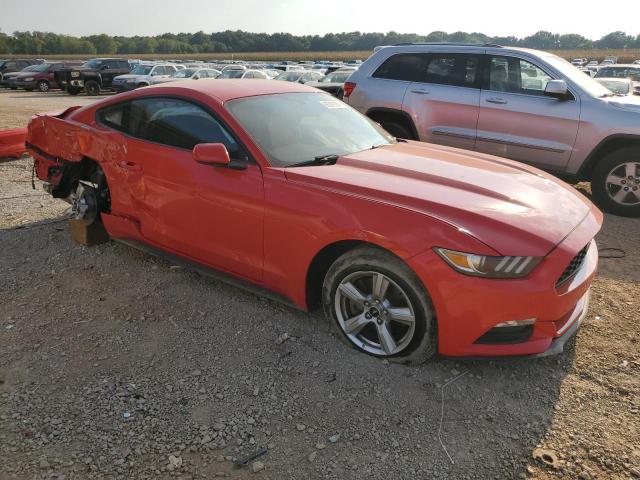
(630, 169)
(620, 196)
(380, 286)
(614, 180)
(355, 324)
(387, 342)
(350, 291)
(401, 315)
(635, 193)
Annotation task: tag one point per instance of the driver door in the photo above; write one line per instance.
(210, 214)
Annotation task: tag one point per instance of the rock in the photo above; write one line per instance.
(334, 438)
(44, 465)
(282, 338)
(320, 446)
(312, 456)
(196, 373)
(257, 466)
(548, 457)
(635, 471)
(584, 475)
(175, 461)
(300, 427)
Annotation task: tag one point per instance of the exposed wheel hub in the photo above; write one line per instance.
(84, 204)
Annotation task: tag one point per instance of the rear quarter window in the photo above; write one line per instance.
(409, 67)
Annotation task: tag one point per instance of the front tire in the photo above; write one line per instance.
(91, 87)
(377, 305)
(615, 183)
(43, 86)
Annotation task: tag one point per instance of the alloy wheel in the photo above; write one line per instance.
(375, 313)
(623, 183)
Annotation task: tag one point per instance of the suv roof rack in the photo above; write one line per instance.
(457, 44)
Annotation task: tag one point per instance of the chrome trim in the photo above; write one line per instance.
(520, 144)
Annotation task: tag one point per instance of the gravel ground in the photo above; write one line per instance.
(114, 364)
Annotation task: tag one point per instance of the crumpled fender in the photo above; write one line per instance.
(12, 142)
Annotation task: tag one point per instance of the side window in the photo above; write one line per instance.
(113, 116)
(514, 75)
(176, 123)
(10, 66)
(453, 69)
(409, 67)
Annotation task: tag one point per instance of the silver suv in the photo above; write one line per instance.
(526, 105)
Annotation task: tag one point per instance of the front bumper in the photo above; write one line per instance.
(469, 307)
(26, 85)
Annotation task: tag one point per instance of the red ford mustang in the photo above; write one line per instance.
(411, 248)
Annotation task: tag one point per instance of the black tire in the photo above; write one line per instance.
(91, 87)
(603, 193)
(424, 342)
(140, 85)
(43, 86)
(398, 130)
(13, 88)
(28, 89)
(73, 90)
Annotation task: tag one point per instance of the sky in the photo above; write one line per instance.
(151, 17)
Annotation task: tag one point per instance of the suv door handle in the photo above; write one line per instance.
(499, 101)
(420, 91)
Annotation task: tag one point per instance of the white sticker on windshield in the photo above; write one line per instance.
(333, 104)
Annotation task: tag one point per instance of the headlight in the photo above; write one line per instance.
(28, 79)
(489, 267)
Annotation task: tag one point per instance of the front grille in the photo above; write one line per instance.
(573, 266)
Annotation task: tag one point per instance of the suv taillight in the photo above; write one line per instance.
(348, 88)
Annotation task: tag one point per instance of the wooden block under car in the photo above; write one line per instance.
(88, 235)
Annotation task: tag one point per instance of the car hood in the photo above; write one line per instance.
(628, 102)
(324, 84)
(131, 77)
(513, 208)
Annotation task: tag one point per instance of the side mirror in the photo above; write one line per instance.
(211, 154)
(104, 67)
(557, 89)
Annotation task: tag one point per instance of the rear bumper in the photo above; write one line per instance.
(469, 307)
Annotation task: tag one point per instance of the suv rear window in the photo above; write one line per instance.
(409, 67)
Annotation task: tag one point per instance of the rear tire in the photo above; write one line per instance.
(615, 183)
(91, 87)
(397, 130)
(377, 305)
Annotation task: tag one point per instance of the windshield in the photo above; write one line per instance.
(141, 70)
(303, 126)
(289, 76)
(43, 67)
(336, 77)
(186, 73)
(95, 63)
(584, 82)
(620, 72)
(231, 74)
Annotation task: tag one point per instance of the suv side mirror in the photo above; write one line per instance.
(104, 67)
(557, 89)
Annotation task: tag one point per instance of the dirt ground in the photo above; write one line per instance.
(114, 364)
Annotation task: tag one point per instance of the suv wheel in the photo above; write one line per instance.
(616, 182)
(91, 87)
(377, 305)
(43, 86)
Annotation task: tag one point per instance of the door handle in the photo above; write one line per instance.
(499, 101)
(129, 165)
(420, 91)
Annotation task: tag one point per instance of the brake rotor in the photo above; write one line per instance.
(84, 204)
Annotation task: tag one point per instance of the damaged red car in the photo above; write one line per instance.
(411, 249)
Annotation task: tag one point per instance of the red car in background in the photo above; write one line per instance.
(42, 77)
(411, 248)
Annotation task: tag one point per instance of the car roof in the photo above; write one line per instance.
(229, 89)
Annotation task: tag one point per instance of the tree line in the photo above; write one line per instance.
(48, 43)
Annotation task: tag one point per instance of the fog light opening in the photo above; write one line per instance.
(516, 323)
